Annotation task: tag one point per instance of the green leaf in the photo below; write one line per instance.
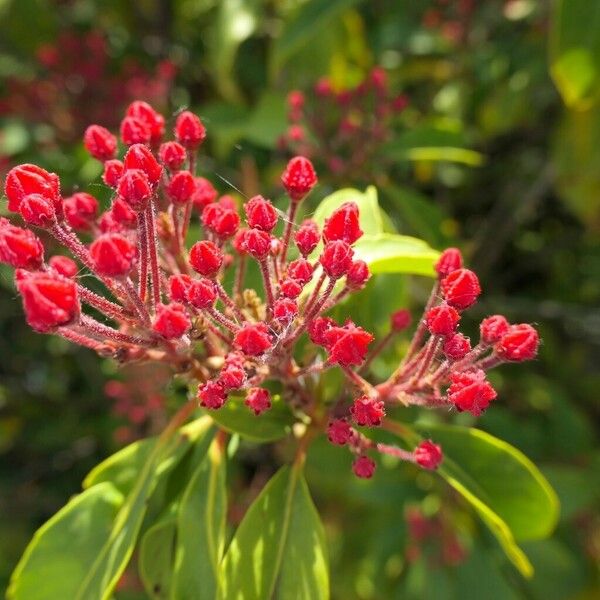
(201, 530)
(371, 219)
(157, 553)
(279, 548)
(391, 253)
(432, 144)
(505, 479)
(236, 21)
(64, 549)
(272, 425)
(123, 467)
(311, 19)
(501, 484)
(114, 555)
(268, 121)
(575, 51)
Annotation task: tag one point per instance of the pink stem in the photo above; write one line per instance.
(223, 320)
(289, 225)
(152, 248)
(239, 276)
(315, 293)
(102, 330)
(139, 306)
(228, 302)
(433, 345)
(362, 384)
(264, 269)
(143, 252)
(102, 304)
(395, 451)
(378, 348)
(81, 340)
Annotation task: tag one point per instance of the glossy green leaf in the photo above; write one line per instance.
(114, 555)
(279, 549)
(504, 478)
(64, 549)
(123, 467)
(157, 553)
(498, 481)
(311, 19)
(371, 219)
(575, 51)
(391, 253)
(433, 144)
(201, 530)
(272, 425)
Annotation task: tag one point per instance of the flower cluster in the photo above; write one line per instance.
(78, 79)
(167, 303)
(343, 128)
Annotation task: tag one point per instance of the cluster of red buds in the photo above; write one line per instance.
(451, 19)
(163, 302)
(343, 129)
(79, 79)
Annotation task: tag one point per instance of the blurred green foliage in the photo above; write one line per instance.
(513, 85)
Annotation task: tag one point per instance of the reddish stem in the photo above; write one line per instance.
(223, 320)
(99, 329)
(143, 253)
(289, 225)
(152, 249)
(228, 302)
(264, 269)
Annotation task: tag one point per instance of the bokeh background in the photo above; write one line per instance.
(479, 123)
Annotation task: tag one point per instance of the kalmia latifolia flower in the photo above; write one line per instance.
(194, 308)
(258, 400)
(428, 455)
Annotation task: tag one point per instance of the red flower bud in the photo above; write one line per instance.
(154, 121)
(519, 343)
(257, 243)
(358, 275)
(228, 202)
(37, 210)
(493, 328)
(223, 222)
(134, 131)
(211, 395)
(29, 179)
(347, 345)
(134, 188)
(232, 375)
(238, 241)
(343, 224)
(367, 411)
(80, 210)
(112, 254)
(172, 155)
(364, 467)
(307, 237)
(19, 248)
(100, 142)
(258, 400)
(202, 293)
(317, 329)
(461, 288)
(471, 391)
(64, 266)
(442, 320)
(400, 320)
(336, 258)
(49, 300)
(189, 130)
(450, 260)
(299, 178)
(204, 193)
(178, 287)
(206, 258)
(290, 288)
(285, 310)
(108, 223)
(113, 170)
(456, 346)
(295, 100)
(171, 321)
(260, 214)
(181, 187)
(428, 455)
(300, 270)
(140, 157)
(253, 339)
(123, 213)
(339, 432)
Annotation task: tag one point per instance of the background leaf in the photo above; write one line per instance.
(201, 530)
(64, 549)
(157, 553)
(278, 549)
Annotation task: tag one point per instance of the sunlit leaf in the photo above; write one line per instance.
(157, 552)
